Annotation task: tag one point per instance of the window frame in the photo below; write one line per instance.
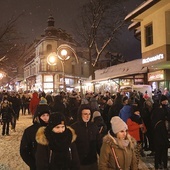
(148, 34)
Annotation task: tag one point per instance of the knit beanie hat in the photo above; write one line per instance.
(118, 124)
(56, 119)
(95, 114)
(41, 109)
(125, 98)
(42, 101)
(135, 108)
(163, 97)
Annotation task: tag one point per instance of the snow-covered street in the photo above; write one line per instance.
(9, 146)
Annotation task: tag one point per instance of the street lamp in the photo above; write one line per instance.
(52, 59)
(2, 74)
(62, 54)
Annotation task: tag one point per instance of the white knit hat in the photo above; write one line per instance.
(118, 124)
(95, 114)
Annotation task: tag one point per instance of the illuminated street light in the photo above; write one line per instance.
(2, 75)
(52, 59)
(63, 52)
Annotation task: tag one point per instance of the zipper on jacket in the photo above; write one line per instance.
(50, 156)
(70, 153)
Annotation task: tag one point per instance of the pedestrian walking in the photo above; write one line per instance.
(56, 149)
(102, 128)
(118, 148)
(160, 115)
(126, 110)
(137, 129)
(28, 143)
(33, 103)
(16, 105)
(87, 138)
(7, 113)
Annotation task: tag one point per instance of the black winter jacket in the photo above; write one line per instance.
(28, 145)
(87, 141)
(59, 152)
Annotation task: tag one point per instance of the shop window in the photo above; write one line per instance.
(148, 35)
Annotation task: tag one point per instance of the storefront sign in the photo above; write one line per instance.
(154, 58)
(157, 75)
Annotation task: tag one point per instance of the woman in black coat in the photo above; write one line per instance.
(56, 149)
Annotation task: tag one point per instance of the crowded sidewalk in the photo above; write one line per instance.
(9, 148)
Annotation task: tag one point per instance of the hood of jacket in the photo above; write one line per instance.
(35, 95)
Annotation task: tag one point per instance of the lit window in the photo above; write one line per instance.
(149, 35)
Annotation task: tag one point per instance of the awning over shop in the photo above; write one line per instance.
(129, 68)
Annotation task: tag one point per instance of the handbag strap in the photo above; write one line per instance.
(117, 162)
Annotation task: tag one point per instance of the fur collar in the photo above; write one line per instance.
(41, 138)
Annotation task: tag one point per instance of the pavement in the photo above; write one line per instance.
(147, 162)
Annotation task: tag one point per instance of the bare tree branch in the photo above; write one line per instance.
(101, 22)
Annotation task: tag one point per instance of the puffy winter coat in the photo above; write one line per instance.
(28, 145)
(59, 156)
(125, 155)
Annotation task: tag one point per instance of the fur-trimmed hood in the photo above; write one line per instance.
(41, 138)
(109, 139)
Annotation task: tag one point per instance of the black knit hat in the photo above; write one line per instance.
(56, 119)
(125, 98)
(163, 97)
(135, 109)
(41, 109)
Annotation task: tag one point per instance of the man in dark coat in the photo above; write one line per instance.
(87, 138)
(16, 104)
(160, 115)
(28, 142)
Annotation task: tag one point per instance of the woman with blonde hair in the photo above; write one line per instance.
(118, 148)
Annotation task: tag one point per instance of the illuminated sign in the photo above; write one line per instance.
(154, 58)
(157, 75)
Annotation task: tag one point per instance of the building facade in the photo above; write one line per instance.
(119, 76)
(151, 24)
(39, 75)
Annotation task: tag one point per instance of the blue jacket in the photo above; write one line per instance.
(125, 113)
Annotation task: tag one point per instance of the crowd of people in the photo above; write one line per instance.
(91, 132)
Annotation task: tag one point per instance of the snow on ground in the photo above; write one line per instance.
(9, 146)
(9, 149)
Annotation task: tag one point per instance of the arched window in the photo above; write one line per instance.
(49, 48)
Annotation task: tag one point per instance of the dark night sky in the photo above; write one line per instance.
(36, 12)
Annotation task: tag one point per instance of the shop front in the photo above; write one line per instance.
(159, 79)
(112, 78)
